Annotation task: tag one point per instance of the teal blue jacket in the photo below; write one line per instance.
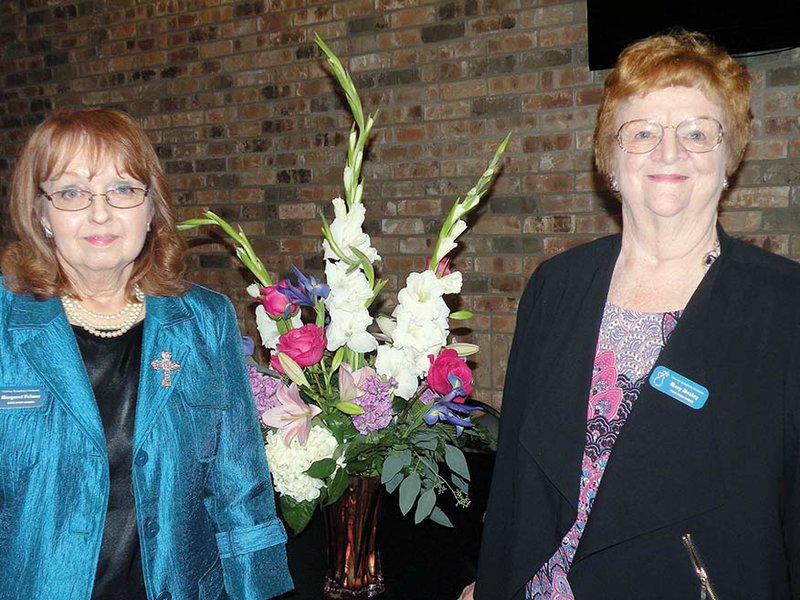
(204, 500)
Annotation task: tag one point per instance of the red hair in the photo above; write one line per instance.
(678, 59)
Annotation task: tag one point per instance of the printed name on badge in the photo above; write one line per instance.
(678, 387)
(21, 398)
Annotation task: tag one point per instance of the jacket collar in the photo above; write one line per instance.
(43, 335)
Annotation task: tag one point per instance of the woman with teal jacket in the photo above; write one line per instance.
(131, 462)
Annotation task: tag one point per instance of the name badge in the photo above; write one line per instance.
(21, 398)
(677, 386)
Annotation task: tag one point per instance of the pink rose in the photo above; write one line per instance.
(305, 345)
(275, 302)
(449, 363)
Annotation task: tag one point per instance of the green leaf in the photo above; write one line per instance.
(366, 265)
(456, 461)
(349, 408)
(395, 463)
(427, 501)
(394, 482)
(322, 468)
(337, 359)
(408, 492)
(337, 486)
(296, 514)
(461, 315)
(437, 516)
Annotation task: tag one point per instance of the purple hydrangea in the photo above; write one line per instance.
(264, 388)
(428, 396)
(376, 400)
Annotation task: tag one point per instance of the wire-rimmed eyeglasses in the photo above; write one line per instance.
(695, 134)
(74, 199)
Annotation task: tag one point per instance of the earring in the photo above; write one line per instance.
(724, 183)
(47, 231)
(613, 184)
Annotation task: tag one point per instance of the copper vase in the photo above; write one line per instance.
(351, 525)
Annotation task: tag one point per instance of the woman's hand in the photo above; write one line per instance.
(466, 594)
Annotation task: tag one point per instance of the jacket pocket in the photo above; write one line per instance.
(212, 584)
(23, 426)
(205, 405)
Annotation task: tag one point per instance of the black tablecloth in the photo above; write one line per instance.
(420, 562)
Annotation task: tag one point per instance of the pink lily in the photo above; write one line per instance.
(292, 415)
(350, 382)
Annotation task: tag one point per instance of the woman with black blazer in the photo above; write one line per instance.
(651, 415)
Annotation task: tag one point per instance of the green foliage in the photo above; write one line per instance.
(296, 514)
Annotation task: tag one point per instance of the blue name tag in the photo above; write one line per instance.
(21, 398)
(679, 387)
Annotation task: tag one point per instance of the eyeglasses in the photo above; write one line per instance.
(695, 134)
(75, 199)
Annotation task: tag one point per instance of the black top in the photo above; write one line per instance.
(113, 368)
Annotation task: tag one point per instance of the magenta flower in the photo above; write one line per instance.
(292, 415)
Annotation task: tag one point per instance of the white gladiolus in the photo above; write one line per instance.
(348, 290)
(346, 305)
(289, 463)
(346, 231)
(254, 290)
(400, 364)
(349, 328)
(448, 243)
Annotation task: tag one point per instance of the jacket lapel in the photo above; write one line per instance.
(554, 429)
(163, 332)
(665, 465)
(41, 332)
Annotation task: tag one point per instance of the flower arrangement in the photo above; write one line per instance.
(340, 399)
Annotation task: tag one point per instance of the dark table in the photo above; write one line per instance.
(420, 562)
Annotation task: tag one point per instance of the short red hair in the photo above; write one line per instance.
(29, 264)
(677, 59)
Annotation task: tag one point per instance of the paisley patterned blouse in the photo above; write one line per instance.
(627, 348)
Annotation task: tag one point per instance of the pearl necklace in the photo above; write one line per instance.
(125, 319)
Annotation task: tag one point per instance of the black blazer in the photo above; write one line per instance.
(728, 473)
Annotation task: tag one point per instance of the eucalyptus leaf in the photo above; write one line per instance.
(456, 461)
(427, 501)
(460, 483)
(394, 482)
(426, 444)
(322, 468)
(409, 490)
(437, 516)
(395, 463)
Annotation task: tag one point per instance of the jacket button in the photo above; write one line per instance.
(164, 596)
(141, 458)
(151, 528)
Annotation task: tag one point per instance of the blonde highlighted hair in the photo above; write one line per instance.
(29, 264)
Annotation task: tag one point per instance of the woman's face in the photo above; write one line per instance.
(669, 180)
(99, 242)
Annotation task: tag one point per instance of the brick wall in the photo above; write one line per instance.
(247, 122)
